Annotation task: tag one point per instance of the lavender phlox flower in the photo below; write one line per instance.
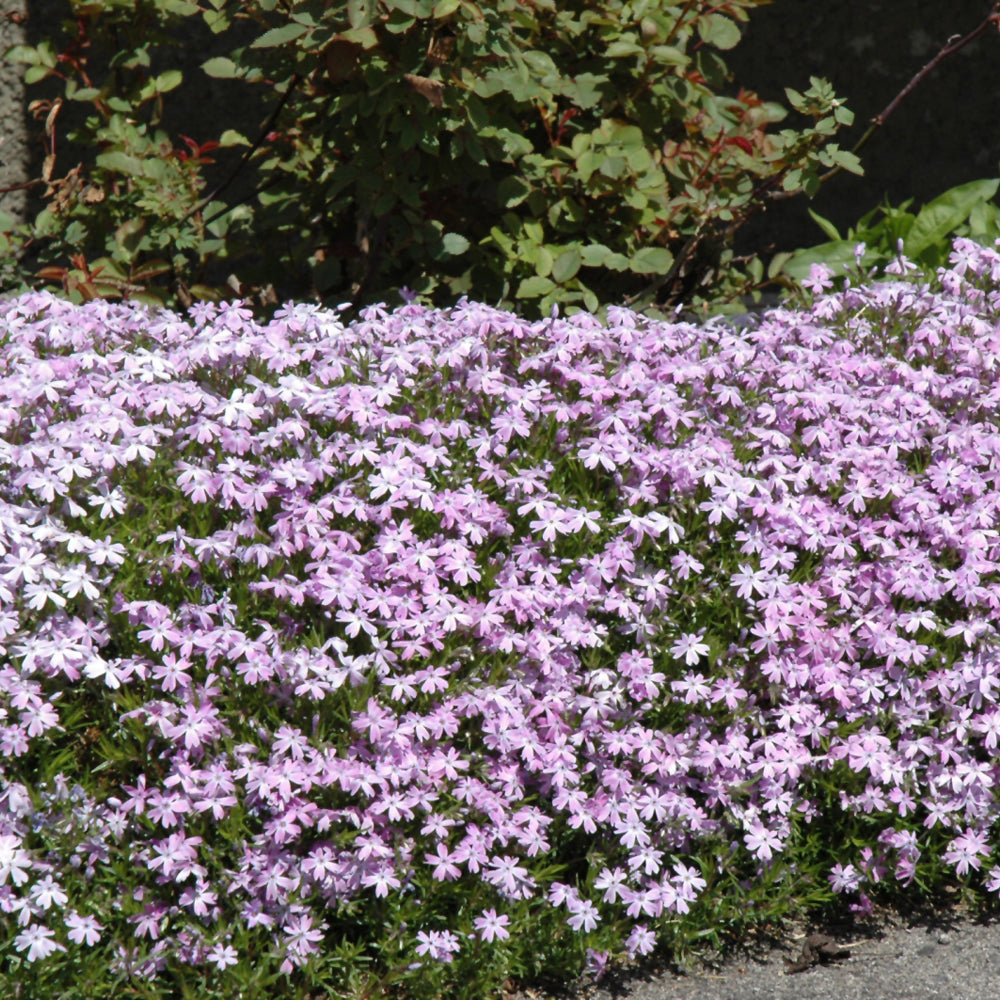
(37, 942)
(15, 861)
(82, 929)
(442, 946)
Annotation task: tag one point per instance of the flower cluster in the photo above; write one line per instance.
(303, 623)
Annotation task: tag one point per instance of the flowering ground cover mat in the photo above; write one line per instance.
(416, 652)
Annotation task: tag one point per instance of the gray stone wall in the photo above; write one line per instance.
(13, 137)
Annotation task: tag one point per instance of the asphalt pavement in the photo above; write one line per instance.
(944, 956)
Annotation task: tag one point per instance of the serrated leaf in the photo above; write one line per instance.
(846, 159)
(432, 90)
(946, 212)
(454, 244)
(221, 68)
(585, 90)
(280, 36)
(121, 162)
(651, 260)
(719, 31)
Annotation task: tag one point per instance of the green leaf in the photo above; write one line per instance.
(587, 163)
(846, 159)
(534, 287)
(946, 212)
(221, 68)
(120, 162)
(566, 265)
(168, 80)
(667, 55)
(543, 261)
(594, 255)
(834, 254)
(280, 36)
(454, 244)
(512, 191)
(719, 31)
(233, 138)
(585, 90)
(651, 260)
(828, 227)
(360, 13)
(621, 47)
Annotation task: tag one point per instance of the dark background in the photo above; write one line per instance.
(944, 133)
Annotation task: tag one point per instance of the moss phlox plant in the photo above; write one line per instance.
(441, 645)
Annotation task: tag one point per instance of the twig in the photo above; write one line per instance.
(950, 47)
(205, 202)
(657, 283)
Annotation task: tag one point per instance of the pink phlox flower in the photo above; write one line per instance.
(445, 868)
(820, 278)
(597, 964)
(641, 941)
(967, 850)
(200, 898)
(302, 936)
(509, 877)
(583, 914)
(382, 879)
(690, 647)
(613, 882)
(492, 927)
(762, 841)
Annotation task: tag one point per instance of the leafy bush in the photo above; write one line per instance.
(535, 152)
(406, 655)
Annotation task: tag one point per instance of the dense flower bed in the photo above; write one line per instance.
(358, 653)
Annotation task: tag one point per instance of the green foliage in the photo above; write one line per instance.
(571, 153)
(925, 238)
